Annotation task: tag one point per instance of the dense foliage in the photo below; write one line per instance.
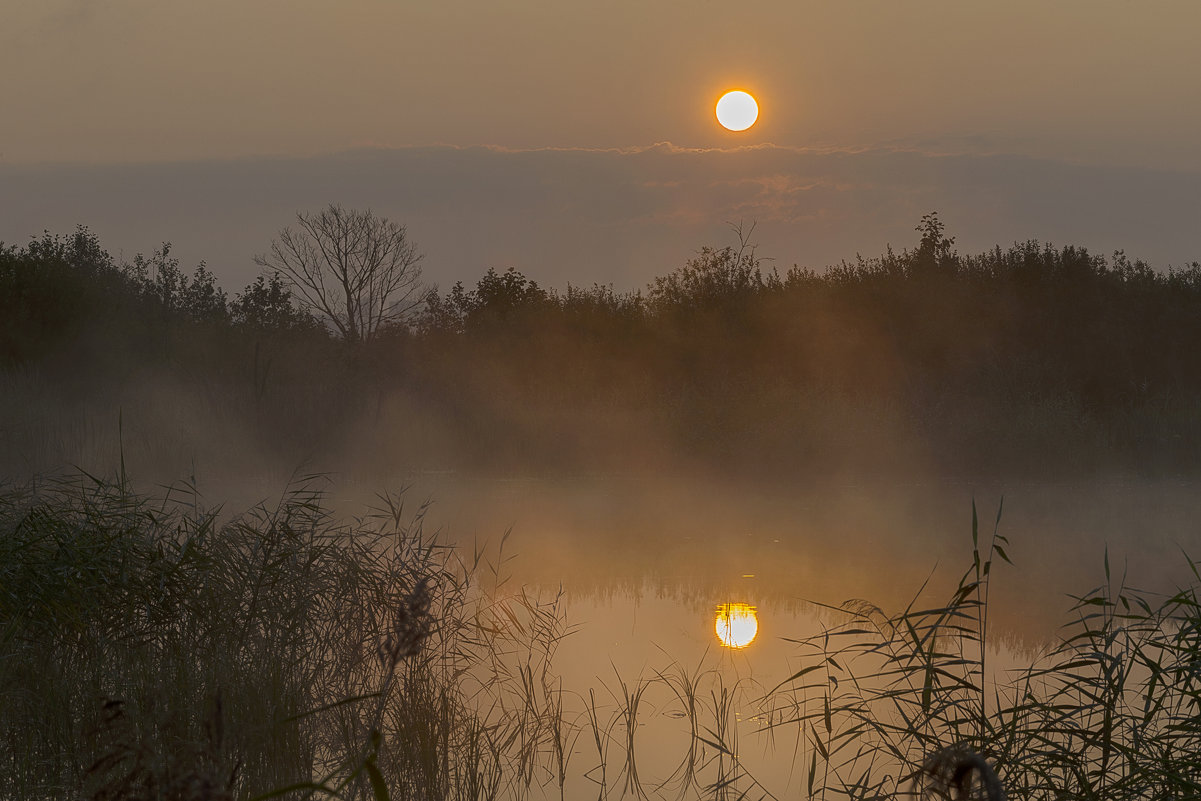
(1023, 358)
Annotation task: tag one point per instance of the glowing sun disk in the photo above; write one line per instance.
(736, 625)
(737, 111)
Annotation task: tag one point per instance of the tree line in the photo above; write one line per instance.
(1021, 357)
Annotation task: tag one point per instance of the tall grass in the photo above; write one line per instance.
(886, 705)
(150, 649)
(1111, 710)
(153, 648)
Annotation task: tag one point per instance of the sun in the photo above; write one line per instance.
(737, 111)
(736, 625)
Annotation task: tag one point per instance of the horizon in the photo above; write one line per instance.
(498, 340)
(608, 215)
(1025, 120)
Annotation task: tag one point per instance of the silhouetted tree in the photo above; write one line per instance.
(496, 298)
(165, 284)
(934, 255)
(268, 305)
(445, 314)
(713, 277)
(52, 288)
(498, 295)
(359, 272)
(1025, 357)
(600, 300)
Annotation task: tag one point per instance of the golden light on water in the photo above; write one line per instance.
(736, 625)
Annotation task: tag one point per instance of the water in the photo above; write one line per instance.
(784, 546)
(644, 566)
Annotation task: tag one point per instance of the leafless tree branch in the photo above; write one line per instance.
(357, 270)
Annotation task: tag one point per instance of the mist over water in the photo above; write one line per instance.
(810, 446)
(645, 562)
(675, 539)
(701, 542)
(454, 402)
(694, 537)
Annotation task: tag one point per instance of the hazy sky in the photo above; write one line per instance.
(588, 216)
(1100, 84)
(103, 80)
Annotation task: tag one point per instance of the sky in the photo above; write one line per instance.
(576, 140)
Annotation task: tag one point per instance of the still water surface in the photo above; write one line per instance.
(706, 543)
(647, 568)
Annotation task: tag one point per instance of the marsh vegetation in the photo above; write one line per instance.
(153, 649)
(156, 649)
(155, 646)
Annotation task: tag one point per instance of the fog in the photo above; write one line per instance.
(923, 441)
(435, 401)
(638, 522)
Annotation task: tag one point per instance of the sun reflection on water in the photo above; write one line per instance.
(736, 625)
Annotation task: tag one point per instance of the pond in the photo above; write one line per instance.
(655, 574)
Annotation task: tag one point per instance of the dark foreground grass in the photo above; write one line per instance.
(150, 649)
(1110, 711)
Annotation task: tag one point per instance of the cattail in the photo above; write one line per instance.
(411, 626)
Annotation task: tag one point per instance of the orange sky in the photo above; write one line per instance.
(1103, 81)
(532, 133)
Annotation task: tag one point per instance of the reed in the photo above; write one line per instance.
(151, 647)
(1110, 710)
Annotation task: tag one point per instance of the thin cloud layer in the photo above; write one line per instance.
(617, 216)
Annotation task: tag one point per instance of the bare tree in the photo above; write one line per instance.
(359, 271)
